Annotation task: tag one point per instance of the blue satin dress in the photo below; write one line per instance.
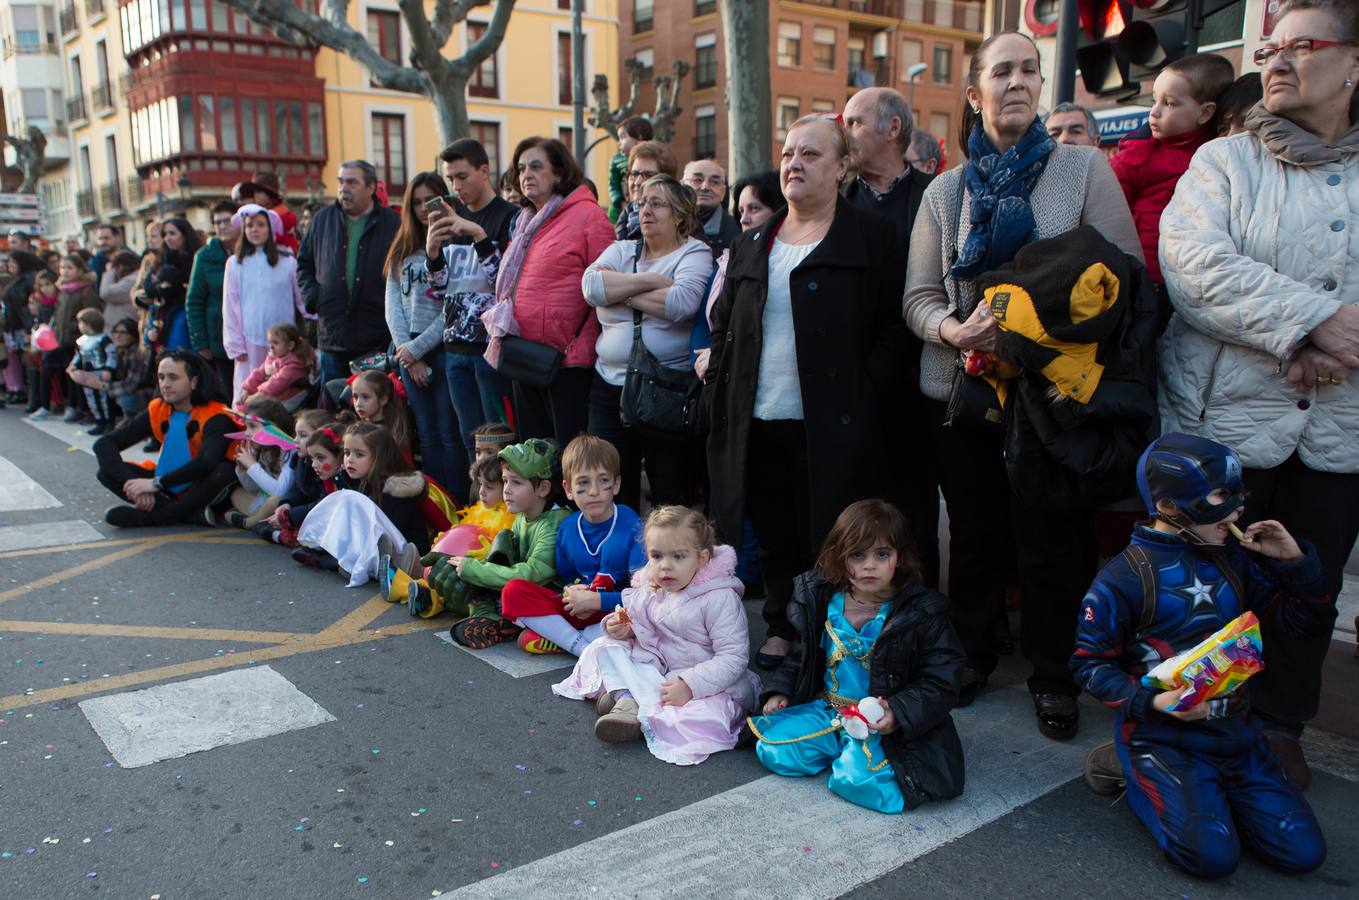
(803, 740)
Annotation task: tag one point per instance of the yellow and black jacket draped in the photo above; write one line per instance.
(1078, 324)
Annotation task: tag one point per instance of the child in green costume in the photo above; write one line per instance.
(471, 587)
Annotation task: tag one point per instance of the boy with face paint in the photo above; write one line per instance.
(1202, 780)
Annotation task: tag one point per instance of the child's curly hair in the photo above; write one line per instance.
(861, 526)
(675, 517)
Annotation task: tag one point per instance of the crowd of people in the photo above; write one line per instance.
(593, 429)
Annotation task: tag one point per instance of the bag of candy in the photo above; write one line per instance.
(1215, 667)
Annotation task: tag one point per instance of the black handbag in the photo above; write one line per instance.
(530, 362)
(654, 396)
(972, 400)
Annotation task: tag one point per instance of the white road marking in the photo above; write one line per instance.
(47, 534)
(509, 659)
(803, 840)
(183, 717)
(77, 436)
(19, 492)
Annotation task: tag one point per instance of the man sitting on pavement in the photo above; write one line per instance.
(195, 467)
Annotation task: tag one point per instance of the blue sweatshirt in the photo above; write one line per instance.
(619, 555)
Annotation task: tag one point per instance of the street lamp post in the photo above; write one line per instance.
(912, 74)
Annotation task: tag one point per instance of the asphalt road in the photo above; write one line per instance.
(445, 772)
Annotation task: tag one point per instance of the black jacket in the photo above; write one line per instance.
(347, 324)
(853, 353)
(727, 230)
(1061, 454)
(916, 666)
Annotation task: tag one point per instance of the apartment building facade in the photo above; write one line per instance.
(821, 52)
(157, 107)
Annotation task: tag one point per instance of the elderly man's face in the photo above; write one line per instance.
(709, 181)
(1071, 128)
(355, 194)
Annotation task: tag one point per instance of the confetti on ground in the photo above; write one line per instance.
(388, 843)
(455, 820)
(578, 822)
(520, 767)
(494, 864)
(363, 879)
(591, 802)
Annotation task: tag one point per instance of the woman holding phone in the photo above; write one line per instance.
(415, 317)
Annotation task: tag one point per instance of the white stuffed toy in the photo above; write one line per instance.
(856, 719)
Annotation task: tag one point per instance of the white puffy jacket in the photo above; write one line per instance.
(1259, 246)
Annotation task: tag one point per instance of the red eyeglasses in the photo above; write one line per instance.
(1300, 48)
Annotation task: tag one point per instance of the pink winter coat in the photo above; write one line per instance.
(548, 303)
(699, 634)
(277, 378)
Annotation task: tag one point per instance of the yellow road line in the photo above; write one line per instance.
(67, 548)
(58, 577)
(358, 618)
(152, 631)
(131, 679)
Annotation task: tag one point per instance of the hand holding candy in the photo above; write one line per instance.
(1166, 700)
(1270, 538)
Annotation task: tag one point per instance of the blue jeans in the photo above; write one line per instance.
(441, 447)
(479, 392)
(334, 365)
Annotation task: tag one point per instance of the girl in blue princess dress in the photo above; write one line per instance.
(868, 685)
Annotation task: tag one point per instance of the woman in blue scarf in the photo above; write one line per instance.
(1018, 186)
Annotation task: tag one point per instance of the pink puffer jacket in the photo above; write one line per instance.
(548, 304)
(699, 634)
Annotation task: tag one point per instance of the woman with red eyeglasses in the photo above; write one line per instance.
(1260, 248)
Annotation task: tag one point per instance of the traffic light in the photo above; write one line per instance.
(1124, 42)
(1105, 69)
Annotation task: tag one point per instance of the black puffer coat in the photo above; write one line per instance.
(917, 667)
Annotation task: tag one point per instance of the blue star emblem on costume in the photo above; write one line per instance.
(1199, 595)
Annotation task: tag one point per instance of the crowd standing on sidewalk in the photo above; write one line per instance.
(593, 433)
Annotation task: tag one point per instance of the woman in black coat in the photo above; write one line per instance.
(808, 348)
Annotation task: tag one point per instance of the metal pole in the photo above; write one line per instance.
(578, 82)
(1064, 77)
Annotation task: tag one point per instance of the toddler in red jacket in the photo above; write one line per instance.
(1151, 160)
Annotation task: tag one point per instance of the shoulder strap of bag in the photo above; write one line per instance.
(636, 313)
(1137, 560)
(953, 243)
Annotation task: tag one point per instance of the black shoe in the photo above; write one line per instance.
(316, 559)
(265, 531)
(973, 684)
(235, 518)
(98, 429)
(205, 517)
(151, 446)
(126, 517)
(768, 661)
(1058, 716)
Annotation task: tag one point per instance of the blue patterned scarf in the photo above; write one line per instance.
(1000, 184)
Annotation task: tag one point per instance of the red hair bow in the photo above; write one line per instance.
(330, 433)
(398, 386)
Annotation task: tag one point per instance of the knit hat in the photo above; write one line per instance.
(1056, 303)
(530, 459)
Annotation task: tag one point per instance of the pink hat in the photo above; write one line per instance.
(254, 209)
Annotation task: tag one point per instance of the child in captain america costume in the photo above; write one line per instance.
(1202, 780)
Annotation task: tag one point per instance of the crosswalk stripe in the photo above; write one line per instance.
(509, 659)
(19, 492)
(785, 837)
(47, 534)
(76, 437)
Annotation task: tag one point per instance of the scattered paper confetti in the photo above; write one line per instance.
(388, 843)
(494, 864)
(363, 879)
(520, 767)
(591, 802)
(578, 822)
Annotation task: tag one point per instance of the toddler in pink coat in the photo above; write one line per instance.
(672, 667)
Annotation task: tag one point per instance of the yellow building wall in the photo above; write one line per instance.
(527, 71)
(113, 201)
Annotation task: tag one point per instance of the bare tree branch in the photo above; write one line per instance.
(448, 13)
(490, 41)
(289, 22)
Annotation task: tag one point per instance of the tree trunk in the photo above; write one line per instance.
(450, 108)
(750, 116)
